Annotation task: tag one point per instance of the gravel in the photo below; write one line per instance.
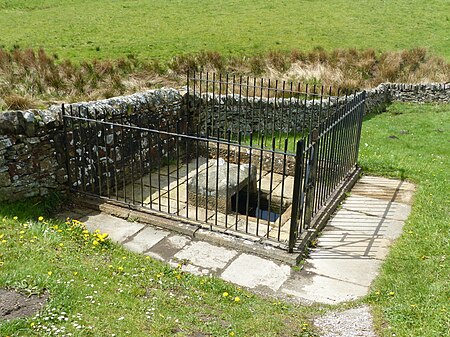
(355, 322)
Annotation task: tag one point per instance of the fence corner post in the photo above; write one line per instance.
(296, 197)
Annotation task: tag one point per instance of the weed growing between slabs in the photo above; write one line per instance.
(97, 288)
(410, 141)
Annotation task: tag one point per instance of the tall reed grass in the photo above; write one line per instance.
(32, 78)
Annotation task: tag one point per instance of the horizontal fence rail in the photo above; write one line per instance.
(242, 156)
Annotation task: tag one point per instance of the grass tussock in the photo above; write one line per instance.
(30, 78)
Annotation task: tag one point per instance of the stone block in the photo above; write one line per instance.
(229, 179)
(5, 179)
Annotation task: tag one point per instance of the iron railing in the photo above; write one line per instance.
(239, 155)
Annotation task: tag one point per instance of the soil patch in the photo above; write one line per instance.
(16, 305)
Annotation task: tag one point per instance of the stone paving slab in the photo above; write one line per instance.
(341, 268)
(352, 246)
(145, 239)
(119, 230)
(322, 289)
(252, 271)
(205, 255)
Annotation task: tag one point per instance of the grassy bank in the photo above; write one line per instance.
(80, 29)
(410, 297)
(98, 288)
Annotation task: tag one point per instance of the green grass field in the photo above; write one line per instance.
(83, 29)
(411, 141)
(102, 289)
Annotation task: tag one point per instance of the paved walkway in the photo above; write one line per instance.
(341, 268)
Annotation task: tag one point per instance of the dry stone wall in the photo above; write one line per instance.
(32, 150)
(32, 142)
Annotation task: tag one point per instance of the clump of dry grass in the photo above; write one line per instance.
(30, 78)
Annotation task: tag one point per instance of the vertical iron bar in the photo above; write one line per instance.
(296, 197)
(282, 187)
(258, 199)
(66, 145)
(141, 173)
(228, 177)
(99, 169)
(108, 172)
(280, 119)
(275, 109)
(217, 176)
(122, 157)
(247, 202)
(272, 163)
(207, 180)
(74, 136)
(196, 176)
(150, 167)
(238, 172)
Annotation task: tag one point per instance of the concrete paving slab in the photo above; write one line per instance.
(77, 213)
(205, 255)
(145, 239)
(118, 229)
(252, 271)
(377, 207)
(189, 268)
(358, 271)
(322, 289)
(169, 246)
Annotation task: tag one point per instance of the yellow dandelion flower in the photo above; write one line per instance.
(41, 218)
(237, 299)
(61, 244)
(95, 243)
(75, 273)
(21, 232)
(15, 217)
(391, 293)
(120, 268)
(49, 273)
(225, 294)
(231, 333)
